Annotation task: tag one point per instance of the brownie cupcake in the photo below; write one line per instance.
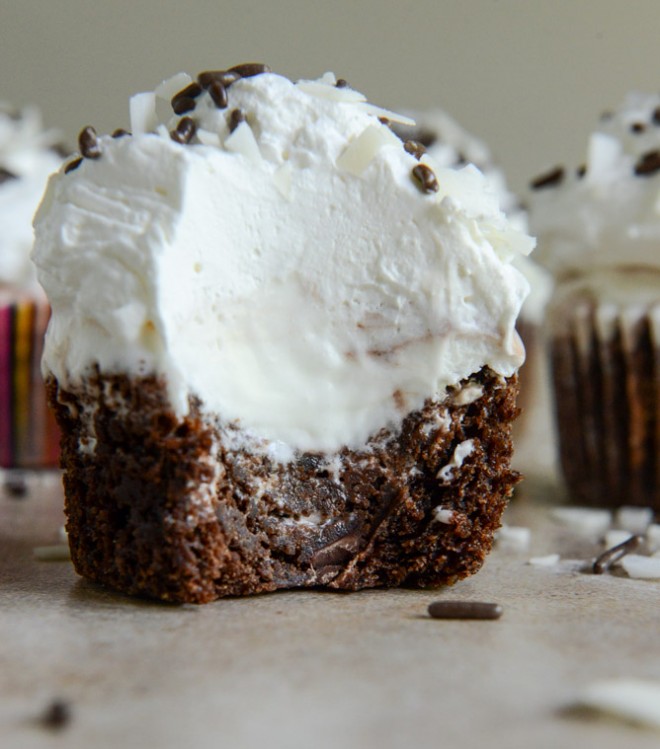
(28, 154)
(599, 234)
(450, 145)
(283, 349)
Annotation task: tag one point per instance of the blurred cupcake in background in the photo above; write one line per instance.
(450, 145)
(598, 228)
(28, 155)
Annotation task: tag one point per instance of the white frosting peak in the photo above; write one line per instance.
(291, 274)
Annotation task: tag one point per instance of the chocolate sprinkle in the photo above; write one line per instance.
(120, 133)
(226, 77)
(581, 171)
(57, 715)
(184, 131)
(609, 557)
(415, 148)
(88, 143)
(184, 100)
(73, 165)
(425, 177)
(235, 118)
(249, 69)
(341, 83)
(218, 93)
(648, 164)
(549, 179)
(6, 175)
(656, 116)
(464, 610)
(637, 127)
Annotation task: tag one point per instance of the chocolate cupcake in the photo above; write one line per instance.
(28, 154)
(282, 350)
(599, 234)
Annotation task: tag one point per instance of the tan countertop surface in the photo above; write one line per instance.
(313, 669)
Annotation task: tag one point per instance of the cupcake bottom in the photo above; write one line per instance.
(28, 433)
(191, 509)
(606, 374)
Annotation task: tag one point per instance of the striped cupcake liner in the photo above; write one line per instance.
(29, 437)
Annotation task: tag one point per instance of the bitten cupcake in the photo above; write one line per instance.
(599, 233)
(28, 155)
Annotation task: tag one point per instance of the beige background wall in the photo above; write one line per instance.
(529, 76)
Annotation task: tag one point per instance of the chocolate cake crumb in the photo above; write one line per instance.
(550, 179)
(648, 163)
(6, 175)
(57, 715)
(464, 610)
(184, 131)
(609, 557)
(88, 143)
(425, 178)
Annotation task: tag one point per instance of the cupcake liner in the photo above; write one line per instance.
(29, 437)
(606, 377)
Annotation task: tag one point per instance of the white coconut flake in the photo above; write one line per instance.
(634, 519)
(173, 85)
(400, 119)
(282, 179)
(583, 520)
(641, 567)
(207, 138)
(142, 108)
(549, 560)
(54, 553)
(513, 538)
(467, 395)
(242, 141)
(443, 515)
(360, 153)
(332, 92)
(634, 700)
(653, 537)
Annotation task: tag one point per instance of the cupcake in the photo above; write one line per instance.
(599, 234)
(282, 350)
(28, 154)
(450, 145)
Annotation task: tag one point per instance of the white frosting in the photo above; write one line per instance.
(291, 274)
(26, 152)
(453, 146)
(609, 217)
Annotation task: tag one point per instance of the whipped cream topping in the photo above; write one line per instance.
(283, 266)
(605, 214)
(452, 146)
(27, 158)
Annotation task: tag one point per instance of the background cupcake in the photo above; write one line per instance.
(599, 233)
(28, 154)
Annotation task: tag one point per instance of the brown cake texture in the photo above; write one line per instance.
(607, 397)
(178, 509)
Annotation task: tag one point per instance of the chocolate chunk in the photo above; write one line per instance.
(415, 148)
(73, 165)
(226, 77)
(57, 715)
(609, 557)
(235, 118)
(88, 143)
(549, 179)
(648, 163)
(249, 69)
(464, 610)
(184, 131)
(425, 178)
(6, 175)
(218, 92)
